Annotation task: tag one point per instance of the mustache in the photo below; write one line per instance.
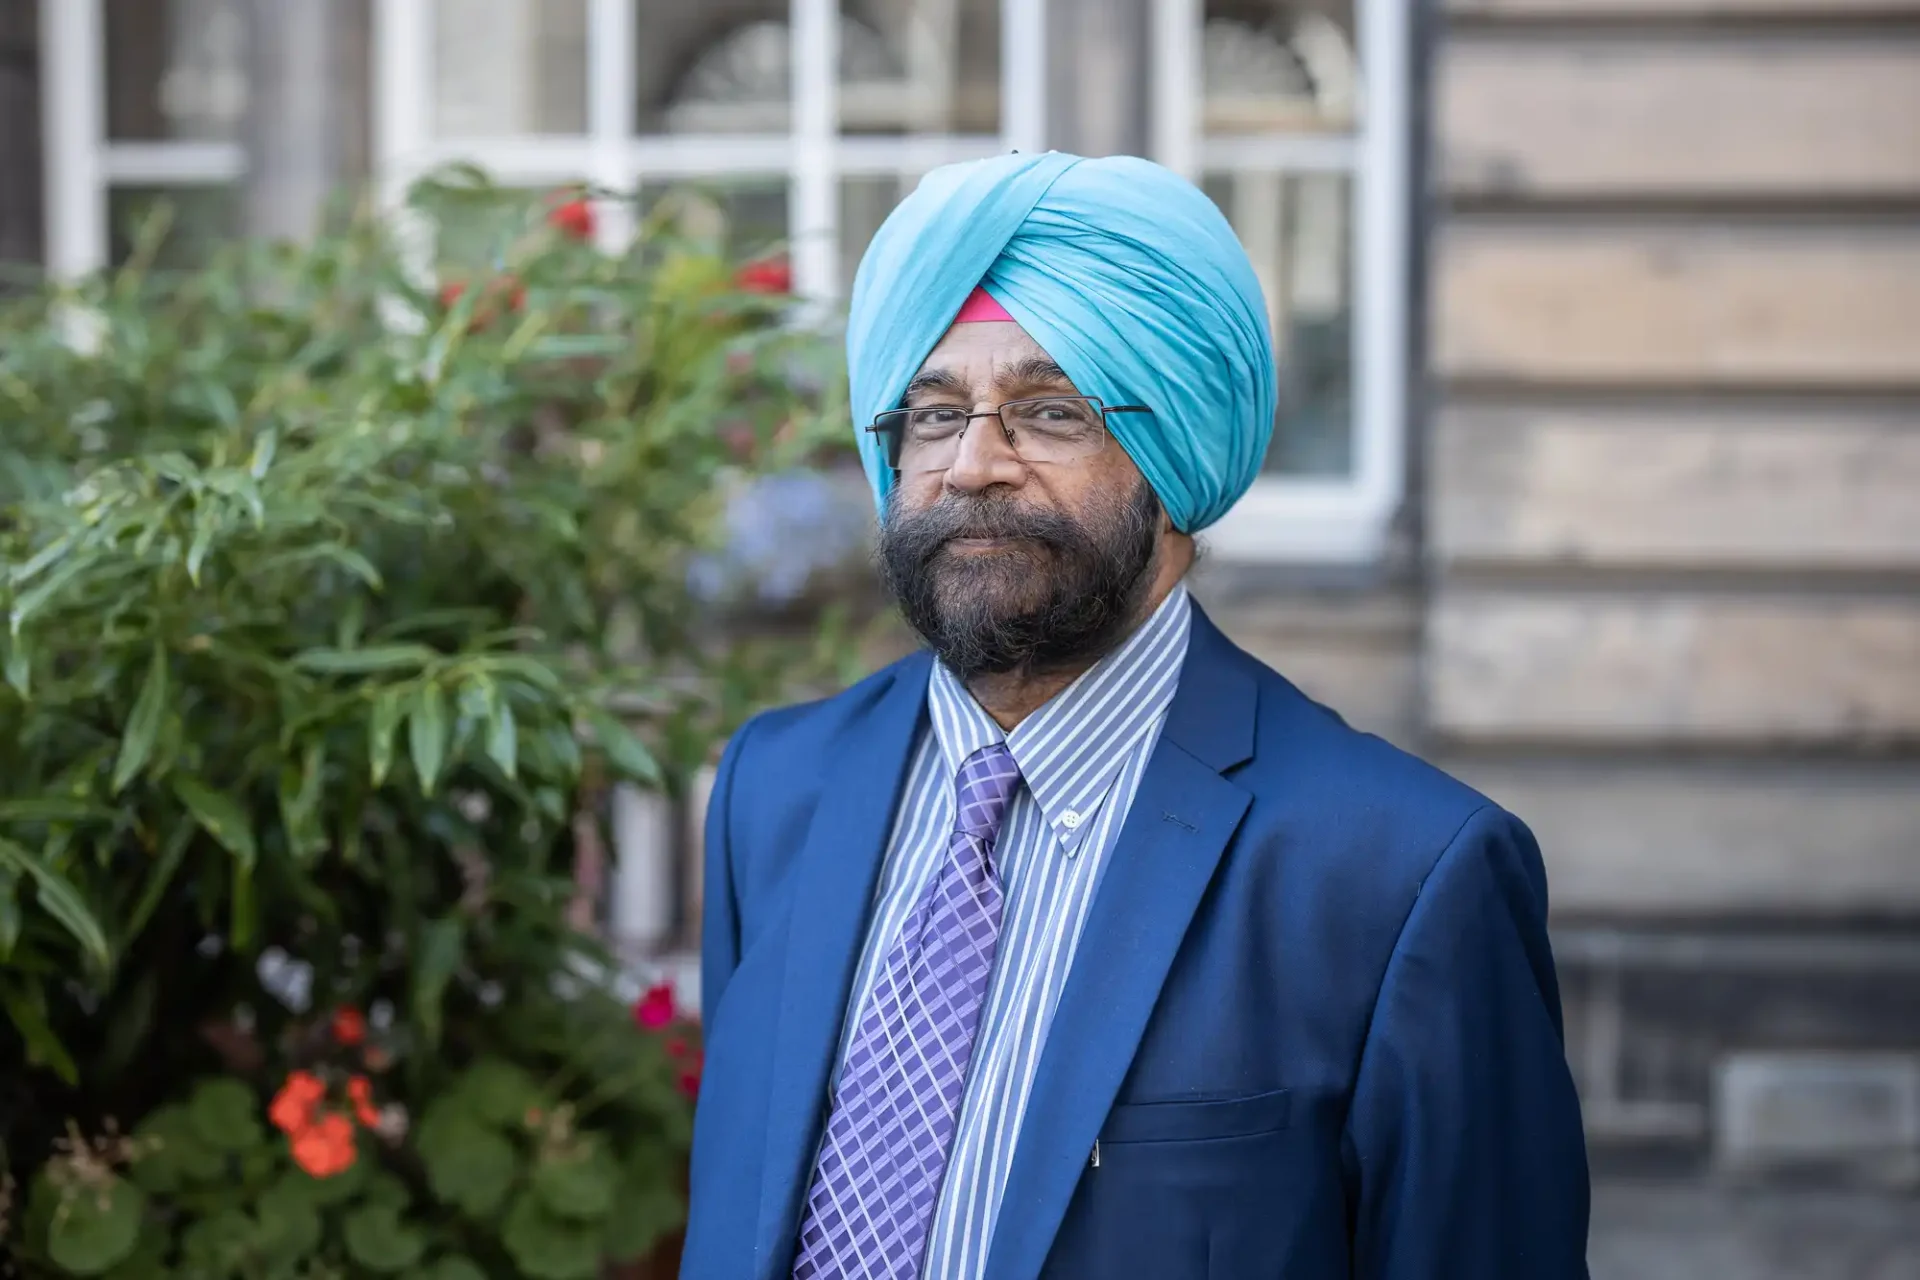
(951, 520)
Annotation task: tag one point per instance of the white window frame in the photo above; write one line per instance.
(1282, 519)
(813, 157)
(1342, 519)
(82, 164)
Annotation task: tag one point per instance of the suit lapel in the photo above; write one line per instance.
(1180, 823)
(833, 893)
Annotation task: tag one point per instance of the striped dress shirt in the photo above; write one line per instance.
(1081, 757)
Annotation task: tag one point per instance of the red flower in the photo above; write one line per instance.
(654, 1009)
(326, 1147)
(292, 1108)
(349, 1027)
(690, 1083)
(769, 275)
(676, 1048)
(572, 218)
(360, 1093)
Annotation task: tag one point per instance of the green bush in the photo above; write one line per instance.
(335, 598)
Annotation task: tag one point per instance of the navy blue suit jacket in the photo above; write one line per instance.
(1312, 1021)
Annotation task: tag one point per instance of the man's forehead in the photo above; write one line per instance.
(1033, 368)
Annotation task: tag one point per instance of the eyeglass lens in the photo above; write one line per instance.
(1052, 430)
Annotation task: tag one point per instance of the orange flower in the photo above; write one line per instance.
(292, 1108)
(326, 1147)
(360, 1093)
(349, 1026)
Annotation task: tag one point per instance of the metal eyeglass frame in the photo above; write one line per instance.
(967, 420)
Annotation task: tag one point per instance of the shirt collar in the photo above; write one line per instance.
(1072, 748)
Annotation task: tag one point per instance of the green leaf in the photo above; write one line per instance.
(10, 917)
(649, 1208)
(263, 450)
(338, 1189)
(503, 735)
(628, 755)
(143, 726)
(27, 1008)
(427, 735)
(453, 1267)
(497, 1092)
(379, 1241)
(436, 956)
(171, 855)
(300, 802)
(469, 1166)
(30, 602)
(381, 726)
(548, 1248)
(577, 1185)
(98, 1228)
(244, 916)
(361, 662)
(176, 1158)
(290, 1225)
(383, 1188)
(59, 899)
(218, 1244)
(128, 1024)
(19, 667)
(225, 1115)
(52, 809)
(219, 815)
(343, 557)
(206, 523)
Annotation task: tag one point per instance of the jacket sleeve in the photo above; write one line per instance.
(720, 913)
(1464, 1138)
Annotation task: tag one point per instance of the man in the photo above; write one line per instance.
(1085, 946)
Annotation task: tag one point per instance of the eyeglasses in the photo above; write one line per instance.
(1045, 429)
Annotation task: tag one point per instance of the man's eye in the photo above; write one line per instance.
(1057, 412)
(934, 418)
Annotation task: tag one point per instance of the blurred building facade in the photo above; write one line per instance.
(1597, 472)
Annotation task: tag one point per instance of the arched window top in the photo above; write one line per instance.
(1289, 72)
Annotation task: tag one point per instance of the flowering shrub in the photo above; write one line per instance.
(325, 633)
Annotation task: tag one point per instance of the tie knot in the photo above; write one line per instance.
(985, 785)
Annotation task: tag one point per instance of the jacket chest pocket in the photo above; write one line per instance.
(1175, 1185)
(1198, 1121)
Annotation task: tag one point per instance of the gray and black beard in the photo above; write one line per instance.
(1059, 596)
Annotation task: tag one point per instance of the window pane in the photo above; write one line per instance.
(1298, 230)
(1276, 67)
(744, 217)
(475, 230)
(176, 69)
(920, 66)
(698, 76)
(199, 221)
(506, 68)
(864, 205)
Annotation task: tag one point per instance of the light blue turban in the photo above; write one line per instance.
(1124, 272)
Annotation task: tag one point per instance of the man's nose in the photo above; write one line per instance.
(986, 457)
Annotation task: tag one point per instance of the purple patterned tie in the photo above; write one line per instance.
(887, 1138)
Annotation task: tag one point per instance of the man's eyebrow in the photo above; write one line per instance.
(928, 381)
(1033, 371)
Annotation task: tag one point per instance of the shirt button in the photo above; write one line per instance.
(1070, 819)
